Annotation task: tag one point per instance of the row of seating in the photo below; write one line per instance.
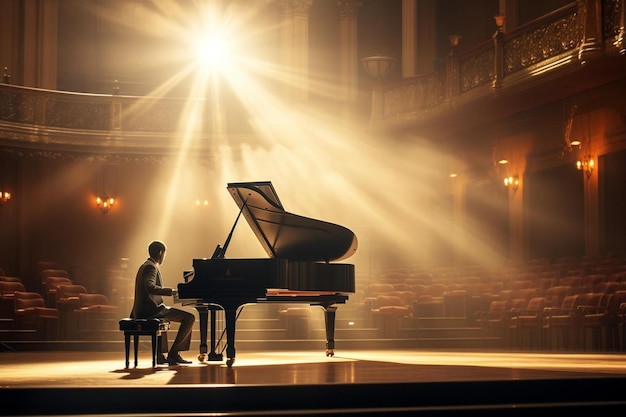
(403, 297)
(589, 321)
(67, 311)
(540, 268)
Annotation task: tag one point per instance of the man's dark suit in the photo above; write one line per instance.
(148, 303)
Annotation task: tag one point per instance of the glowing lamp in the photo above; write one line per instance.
(105, 203)
(586, 165)
(500, 20)
(512, 182)
(4, 197)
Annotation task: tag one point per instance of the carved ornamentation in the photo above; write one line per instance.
(77, 114)
(547, 41)
(611, 18)
(16, 107)
(423, 94)
(159, 117)
(90, 157)
(477, 70)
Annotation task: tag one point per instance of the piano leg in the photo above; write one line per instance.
(329, 316)
(214, 356)
(231, 319)
(203, 313)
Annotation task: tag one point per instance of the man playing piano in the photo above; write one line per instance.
(149, 303)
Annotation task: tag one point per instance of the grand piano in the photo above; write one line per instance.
(298, 270)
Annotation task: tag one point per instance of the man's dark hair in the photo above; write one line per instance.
(155, 248)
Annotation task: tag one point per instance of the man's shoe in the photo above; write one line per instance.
(175, 359)
(161, 359)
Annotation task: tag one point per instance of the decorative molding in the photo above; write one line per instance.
(541, 43)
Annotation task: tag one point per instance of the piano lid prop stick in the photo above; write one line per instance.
(222, 253)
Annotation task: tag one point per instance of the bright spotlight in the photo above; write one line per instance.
(213, 52)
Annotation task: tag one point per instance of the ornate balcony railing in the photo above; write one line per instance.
(562, 42)
(565, 39)
(46, 123)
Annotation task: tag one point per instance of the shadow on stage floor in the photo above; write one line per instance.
(368, 382)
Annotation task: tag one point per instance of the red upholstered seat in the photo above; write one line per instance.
(95, 314)
(31, 313)
(7, 297)
(390, 311)
(529, 321)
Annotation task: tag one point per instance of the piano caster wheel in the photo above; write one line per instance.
(330, 352)
(229, 362)
(202, 357)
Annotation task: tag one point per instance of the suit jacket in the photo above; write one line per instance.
(148, 291)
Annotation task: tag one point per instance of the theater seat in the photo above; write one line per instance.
(95, 315)
(390, 312)
(67, 302)
(31, 313)
(7, 297)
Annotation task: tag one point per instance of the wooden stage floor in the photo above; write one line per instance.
(356, 382)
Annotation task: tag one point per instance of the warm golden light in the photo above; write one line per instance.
(454, 40)
(105, 203)
(202, 203)
(512, 182)
(4, 196)
(586, 165)
(500, 19)
(213, 51)
(323, 165)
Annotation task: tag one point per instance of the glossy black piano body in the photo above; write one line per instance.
(298, 270)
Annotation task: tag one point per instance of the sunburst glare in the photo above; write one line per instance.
(392, 192)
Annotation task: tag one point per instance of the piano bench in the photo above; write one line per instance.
(143, 327)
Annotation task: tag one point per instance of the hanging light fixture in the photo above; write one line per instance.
(105, 200)
(105, 203)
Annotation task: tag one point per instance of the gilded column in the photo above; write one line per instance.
(294, 46)
(348, 49)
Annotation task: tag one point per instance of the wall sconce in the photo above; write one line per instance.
(512, 182)
(586, 165)
(4, 197)
(105, 203)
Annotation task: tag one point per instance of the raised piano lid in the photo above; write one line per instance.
(286, 235)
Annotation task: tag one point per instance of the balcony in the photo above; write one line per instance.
(574, 49)
(565, 53)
